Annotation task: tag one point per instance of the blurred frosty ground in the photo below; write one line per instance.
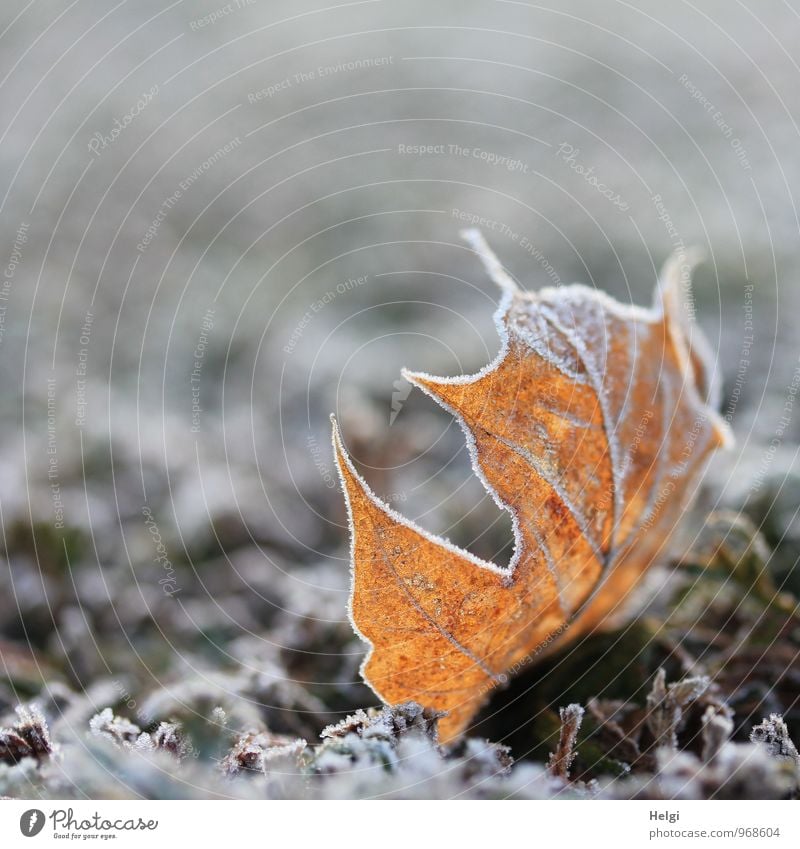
(220, 222)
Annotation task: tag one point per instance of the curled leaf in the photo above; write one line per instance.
(590, 428)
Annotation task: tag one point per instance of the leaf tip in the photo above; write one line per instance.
(355, 488)
(723, 433)
(675, 303)
(494, 268)
(674, 291)
(417, 378)
(340, 455)
(336, 437)
(436, 387)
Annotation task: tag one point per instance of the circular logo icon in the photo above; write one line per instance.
(31, 822)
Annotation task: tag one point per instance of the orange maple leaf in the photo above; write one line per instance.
(590, 427)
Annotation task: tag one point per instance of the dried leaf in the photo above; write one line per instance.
(29, 737)
(666, 705)
(773, 735)
(717, 730)
(257, 751)
(619, 743)
(561, 760)
(168, 736)
(590, 428)
(117, 729)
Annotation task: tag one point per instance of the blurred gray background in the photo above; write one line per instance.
(222, 222)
